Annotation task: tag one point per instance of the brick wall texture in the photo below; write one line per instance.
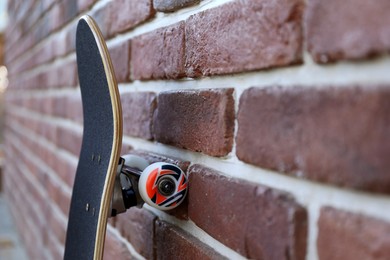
(279, 111)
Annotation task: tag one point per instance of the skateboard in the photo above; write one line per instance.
(107, 184)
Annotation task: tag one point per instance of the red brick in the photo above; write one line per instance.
(40, 105)
(172, 5)
(351, 29)
(83, 5)
(57, 194)
(138, 111)
(115, 249)
(120, 56)
(69, 9)
(256, 221)
(48, 131)
(34, 12)
(69, 140)
(61, 76)
(56, 16)
(70, 38)
(59, 105)
(52, 188)
(244, 36)
(137, 226)
(66, 170)
(198, 120)
(345, 235)
(74, 107)
(102, 18)
(58, 45)
(53, 249)
(126, 14)
(57, 226)
(46, 4)
(67, 75)
(173, 243)
(334, 135)
(159, 54)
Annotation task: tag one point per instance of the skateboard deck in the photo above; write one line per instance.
(102, 140)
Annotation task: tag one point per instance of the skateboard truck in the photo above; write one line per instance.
(161, 185)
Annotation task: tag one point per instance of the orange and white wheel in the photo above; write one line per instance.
(163, 185)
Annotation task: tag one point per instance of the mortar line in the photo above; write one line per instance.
(309, 74)
(129, 246)
(58, 244)
(304, 191)
(273, 179)
(158, 21)
(37, 185)
(166, 19)
(30, 52)
(191, 228)
(57, 121)
(50, 172)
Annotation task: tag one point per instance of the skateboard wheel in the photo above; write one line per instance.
(163, 185)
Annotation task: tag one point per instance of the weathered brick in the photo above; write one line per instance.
(102, 18)
(173, 243)
(334, 135)
(59, 106)
(198, 120)
(46, 4)
(115, 249)
(136, 225)
(244, 36)
(256, 221)
(172, 5)
(351, 29)
(138, 111)
(83, 5)
(56, 16)
(48, 131)
(57, 45)
(44, 106)
(69, 140)
(56, 225)
(74, 107)
(66, 170)
(69, 10)
(70, 38)
(158, 54)
(346, 235)
(67, 75)
(54, 250)
(34, 12)
(120, 56)
(126, 14)
(59, 76)
(57, 194)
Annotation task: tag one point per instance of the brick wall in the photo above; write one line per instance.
(278, 110)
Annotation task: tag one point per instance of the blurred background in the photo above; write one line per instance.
(279, 111)
(11, 246)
